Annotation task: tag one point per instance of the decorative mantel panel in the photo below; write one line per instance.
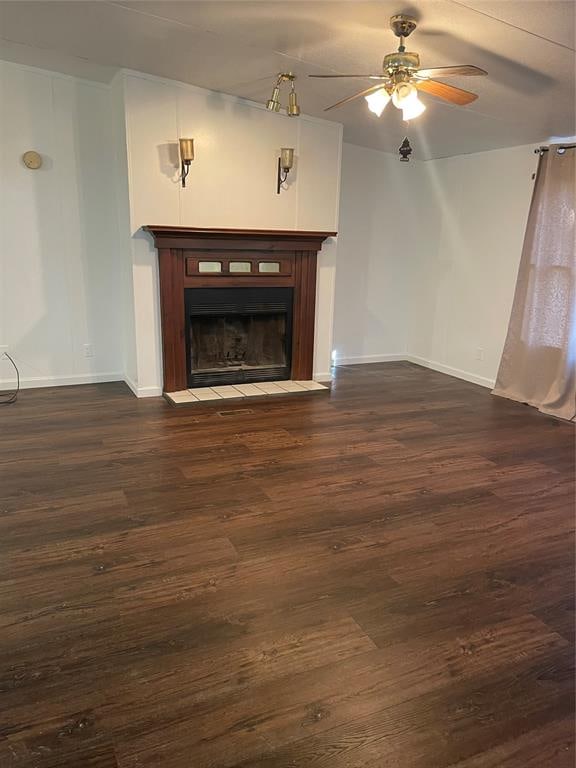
(211, 258)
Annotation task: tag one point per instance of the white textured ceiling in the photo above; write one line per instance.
(527, 47)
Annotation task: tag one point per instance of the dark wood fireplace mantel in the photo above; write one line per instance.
(182, 249)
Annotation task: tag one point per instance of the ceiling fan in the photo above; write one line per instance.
(402, 78)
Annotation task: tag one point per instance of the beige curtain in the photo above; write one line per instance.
(538, 363)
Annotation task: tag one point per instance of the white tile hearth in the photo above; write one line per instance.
(291, 386)
(240, 391)
(204, 393)
(310, 385)
(225, 392)
(184, 396)
(269, 387)
(248, 390)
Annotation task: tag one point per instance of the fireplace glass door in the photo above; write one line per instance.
(238, 335)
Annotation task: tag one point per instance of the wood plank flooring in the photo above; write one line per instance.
(381, 578)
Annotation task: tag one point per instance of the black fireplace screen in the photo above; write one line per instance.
(237, 335)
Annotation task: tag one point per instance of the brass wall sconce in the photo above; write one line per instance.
(273, 104)
(186, 157)
(285, 163)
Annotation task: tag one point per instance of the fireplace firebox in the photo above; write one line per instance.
(238, 335)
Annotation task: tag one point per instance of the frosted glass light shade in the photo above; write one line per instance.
(377, 101)
(401, 93)
(412, 108)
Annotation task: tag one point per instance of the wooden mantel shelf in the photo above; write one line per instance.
(180, 249)
(194, 237)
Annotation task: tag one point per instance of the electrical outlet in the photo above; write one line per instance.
(479, 353)
(88, 350)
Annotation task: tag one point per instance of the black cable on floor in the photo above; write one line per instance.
(7, 398)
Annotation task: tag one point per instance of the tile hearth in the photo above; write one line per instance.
(240, 391)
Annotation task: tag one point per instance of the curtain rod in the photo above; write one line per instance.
(560, 148)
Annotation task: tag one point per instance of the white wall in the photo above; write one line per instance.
(428, 254)
(380, 232)
(232, 183)
(464, 273)
(59, 263)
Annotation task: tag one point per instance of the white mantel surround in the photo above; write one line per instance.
(231, 184)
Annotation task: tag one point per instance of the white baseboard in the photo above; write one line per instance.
(483, 381)
(362, 359)
(142, 391)
(322, 376)
(458, 373)
(32, 382)
(131, 384)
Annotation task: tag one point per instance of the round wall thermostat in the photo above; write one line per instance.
(32, 160)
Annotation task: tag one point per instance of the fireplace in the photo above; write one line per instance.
(236, 305)
(238, 335)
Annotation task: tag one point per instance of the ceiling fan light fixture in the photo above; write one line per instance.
(412, 108)
(402, 74)
(377, 101)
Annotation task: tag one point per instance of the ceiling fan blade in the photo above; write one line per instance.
(370, 77)
(355, 96)
(464, 70)
(446, 92)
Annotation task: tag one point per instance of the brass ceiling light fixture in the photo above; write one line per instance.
(273, 104)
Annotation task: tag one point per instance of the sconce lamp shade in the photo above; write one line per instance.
(286, 158)
(186, 150)
(285, 163)
(186, 157)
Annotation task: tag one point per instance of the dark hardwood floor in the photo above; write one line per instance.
(382, 578)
